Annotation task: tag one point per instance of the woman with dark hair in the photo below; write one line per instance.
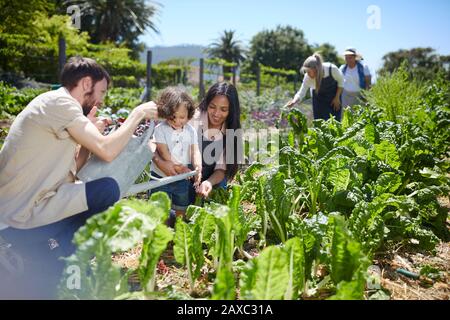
(217, 122)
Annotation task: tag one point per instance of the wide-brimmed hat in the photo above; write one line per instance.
(353, 52)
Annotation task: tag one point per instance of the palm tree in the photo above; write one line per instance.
(228, 48)
(118, 21)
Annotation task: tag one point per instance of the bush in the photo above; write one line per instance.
(116, 60)
(123, 98)
(35, 54)
(397, 94)
(13, 101)
(125, 82)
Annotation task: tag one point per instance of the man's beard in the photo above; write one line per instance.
(89, 102)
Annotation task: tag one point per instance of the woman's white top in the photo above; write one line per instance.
(310, 83)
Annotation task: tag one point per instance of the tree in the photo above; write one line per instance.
(421, 63)
(19, 36)
(35, 53)
(17, 17)
(228, 48)
(329, 54)
(282, 48)
(117, 21)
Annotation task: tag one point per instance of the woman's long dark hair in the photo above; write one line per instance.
(233, 120)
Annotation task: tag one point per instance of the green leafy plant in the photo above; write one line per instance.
(118, 229)
(188, 249)
(348, 263)
(396, 94)
(266, 277)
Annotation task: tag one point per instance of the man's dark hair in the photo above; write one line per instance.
(78, 67)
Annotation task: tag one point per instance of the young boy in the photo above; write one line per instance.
(176, 140)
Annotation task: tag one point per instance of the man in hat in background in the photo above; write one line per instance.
(357, 77)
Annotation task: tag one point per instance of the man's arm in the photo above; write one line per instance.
(82, 157)
(108, 147)
(367, 77)
(83, 153)
(368, 82)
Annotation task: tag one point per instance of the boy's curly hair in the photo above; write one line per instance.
(169, 100)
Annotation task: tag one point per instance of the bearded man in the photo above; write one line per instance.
(42, 204)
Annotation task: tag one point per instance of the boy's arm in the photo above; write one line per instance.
(168, 167)
(197, 162)
(196, 156)
(165, 155)
(163, 151)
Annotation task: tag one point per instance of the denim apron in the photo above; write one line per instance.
(208, 169)
(322, 108)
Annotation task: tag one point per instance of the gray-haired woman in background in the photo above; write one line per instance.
(326, 82)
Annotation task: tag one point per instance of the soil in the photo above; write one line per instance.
(394, 285)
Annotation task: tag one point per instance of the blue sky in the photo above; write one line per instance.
(403, 24)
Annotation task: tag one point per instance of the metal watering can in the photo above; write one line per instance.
(127, 167)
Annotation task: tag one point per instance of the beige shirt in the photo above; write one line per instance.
(37, 164)
(200, 123)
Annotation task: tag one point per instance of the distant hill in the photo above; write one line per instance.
(182, 51)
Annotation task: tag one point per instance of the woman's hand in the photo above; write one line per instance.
(336, 103)
(290, 103)
(204, 189)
